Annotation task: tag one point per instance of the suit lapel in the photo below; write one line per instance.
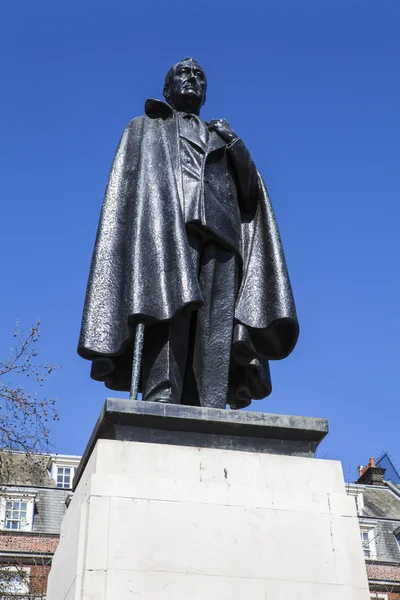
(186, 131)
(171, 125)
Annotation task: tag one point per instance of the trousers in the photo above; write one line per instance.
(186, 359)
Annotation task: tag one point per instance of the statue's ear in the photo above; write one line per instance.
(166, 91)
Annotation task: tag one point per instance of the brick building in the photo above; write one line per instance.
(378, 507)
(34, 493)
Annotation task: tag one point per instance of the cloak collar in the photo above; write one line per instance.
(157, 108)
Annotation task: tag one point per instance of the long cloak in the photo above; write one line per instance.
(141, 268)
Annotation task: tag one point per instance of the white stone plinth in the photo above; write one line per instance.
(160, 521)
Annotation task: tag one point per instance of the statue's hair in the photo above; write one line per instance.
(171, 72)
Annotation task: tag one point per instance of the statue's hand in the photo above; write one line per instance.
(223, 129)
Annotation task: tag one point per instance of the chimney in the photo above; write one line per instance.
(371, 474)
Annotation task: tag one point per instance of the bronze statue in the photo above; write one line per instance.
(188, 248)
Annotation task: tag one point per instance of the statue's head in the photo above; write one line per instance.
(185, 86)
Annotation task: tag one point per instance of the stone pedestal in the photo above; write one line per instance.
(172, 506)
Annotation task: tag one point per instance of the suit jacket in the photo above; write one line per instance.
(142, 270)
(220, 181)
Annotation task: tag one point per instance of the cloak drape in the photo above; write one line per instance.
(141, 268)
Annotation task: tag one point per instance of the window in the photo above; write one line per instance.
(15, 515)
(358, 495)
(377, 596)
(16, 512)
(368, 541)
(397, 536)
(14, 583)
(64, 477)
(62, 469)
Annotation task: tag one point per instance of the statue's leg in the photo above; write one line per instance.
(165, 352)
(218, 283)
(164, 359)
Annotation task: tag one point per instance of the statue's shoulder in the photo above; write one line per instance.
(134, 129)
(136, 122)
(143, 121)
(155, 111)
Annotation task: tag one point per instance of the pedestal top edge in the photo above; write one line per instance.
(198, 414)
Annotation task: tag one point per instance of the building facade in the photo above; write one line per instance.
(34, 493)
(378, 507)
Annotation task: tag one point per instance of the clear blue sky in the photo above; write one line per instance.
(313, 89)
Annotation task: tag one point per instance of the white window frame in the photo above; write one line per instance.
(23, 588)
(369, 529)
(60, 472)
(63, 462)
(14, 496)
(397, 536)
(358, 496)
(377, 596)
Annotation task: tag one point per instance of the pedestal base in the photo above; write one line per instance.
(166, 520)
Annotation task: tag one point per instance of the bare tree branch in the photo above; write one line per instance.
(25, 417)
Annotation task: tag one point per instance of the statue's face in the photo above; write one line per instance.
(187, 88)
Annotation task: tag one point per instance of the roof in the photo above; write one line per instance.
(381, 502)
(20, 468)
(49, 507)
(386, 463)
(381, 508)
(29, 474)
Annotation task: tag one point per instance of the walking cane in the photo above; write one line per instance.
(137, 360)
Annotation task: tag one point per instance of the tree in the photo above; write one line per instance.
(25, 417)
